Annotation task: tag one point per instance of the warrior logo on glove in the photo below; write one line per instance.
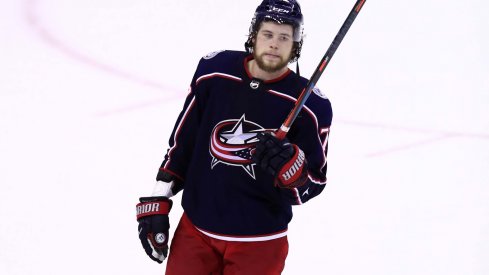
(295, 169)
(149, 209)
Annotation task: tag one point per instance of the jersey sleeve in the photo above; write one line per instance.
(311, 136)
(182, 139)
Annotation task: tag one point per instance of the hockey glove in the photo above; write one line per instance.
(285, 161)
(152, 215)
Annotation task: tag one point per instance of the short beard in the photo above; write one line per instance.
(269, 68)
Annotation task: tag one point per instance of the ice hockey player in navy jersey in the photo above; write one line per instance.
(239, 181)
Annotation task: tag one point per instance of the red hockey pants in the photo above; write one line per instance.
(193, 253)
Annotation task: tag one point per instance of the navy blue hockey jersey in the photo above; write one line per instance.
(225, 194)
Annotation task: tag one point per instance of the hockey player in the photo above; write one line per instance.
(238, 180)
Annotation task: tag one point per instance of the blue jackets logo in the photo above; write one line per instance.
(232, 142)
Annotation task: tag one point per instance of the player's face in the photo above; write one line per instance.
(273, 46)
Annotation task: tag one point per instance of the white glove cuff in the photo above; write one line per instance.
(163, 189)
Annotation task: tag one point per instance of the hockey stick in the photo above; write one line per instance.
(282, 132)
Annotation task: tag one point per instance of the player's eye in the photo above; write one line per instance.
(284, 38)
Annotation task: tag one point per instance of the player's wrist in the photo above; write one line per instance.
(163, 189)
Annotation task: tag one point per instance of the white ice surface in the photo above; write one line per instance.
(89, 92)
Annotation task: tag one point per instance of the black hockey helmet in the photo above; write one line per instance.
(281, 12)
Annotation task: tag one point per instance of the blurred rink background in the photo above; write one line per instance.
(90, 90)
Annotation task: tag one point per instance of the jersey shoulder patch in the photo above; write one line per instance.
(212, 54)
(319, 93)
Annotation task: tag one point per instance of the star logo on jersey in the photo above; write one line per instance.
(232, 143)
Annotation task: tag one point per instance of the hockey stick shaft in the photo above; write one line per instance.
(284, 129)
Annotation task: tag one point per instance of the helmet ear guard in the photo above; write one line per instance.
(280, 12)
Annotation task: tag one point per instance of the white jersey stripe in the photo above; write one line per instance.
(178, 131)
(244, 239)
(298, 196)
(211, 75)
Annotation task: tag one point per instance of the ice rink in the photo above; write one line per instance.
(90, 90)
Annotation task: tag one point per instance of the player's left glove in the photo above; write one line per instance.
(152, 215)
(282, 159)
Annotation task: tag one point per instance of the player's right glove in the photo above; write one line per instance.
(152, 215)
(282, 159)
